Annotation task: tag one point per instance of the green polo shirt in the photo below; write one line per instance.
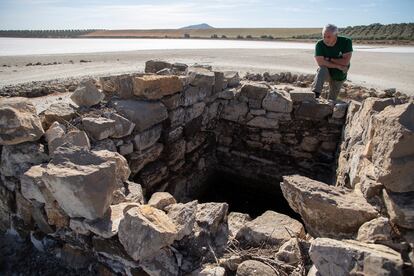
(343, 45)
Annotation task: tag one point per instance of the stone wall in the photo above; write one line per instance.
(107, 178)
(265, 133)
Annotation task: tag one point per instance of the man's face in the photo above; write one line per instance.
(329, 38)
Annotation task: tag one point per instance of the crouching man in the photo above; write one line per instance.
(333, 55)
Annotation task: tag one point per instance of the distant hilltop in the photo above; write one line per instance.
(202, 26)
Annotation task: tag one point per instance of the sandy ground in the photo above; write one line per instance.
(378, 70)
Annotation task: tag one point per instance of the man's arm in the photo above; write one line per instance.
(323, 62)
(345, 60)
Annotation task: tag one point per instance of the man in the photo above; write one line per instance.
(333, 55)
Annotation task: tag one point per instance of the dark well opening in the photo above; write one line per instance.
(245, 195)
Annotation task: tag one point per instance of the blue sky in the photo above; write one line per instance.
(154, 14)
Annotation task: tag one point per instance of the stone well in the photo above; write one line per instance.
(160, 173)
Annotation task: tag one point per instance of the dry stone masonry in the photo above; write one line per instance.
(108, 179)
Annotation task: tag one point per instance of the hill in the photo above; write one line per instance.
(198, 27)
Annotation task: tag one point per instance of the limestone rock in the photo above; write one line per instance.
(81, 182)
(194, 111)
(194, 94)
(16, 159)
(108, 225)
(153, 66)
(253, 268)
(272, 228)
(18, 121)
(160, 200)
(31, 184)
(147, 138)
(143, 114)
(56, 130)
(237, 221)
(378, 229)
(59, 112)
(137, 160)
(87, 94)
(183, 216)
(156, 86)
(255, 92)
(277, 101)
(289, 252)
(313, 111)
(400, 208)
(99, 128)
(392, 147)
(210, 215)
(302, 95)
(231, 78)
(145, 230)
(347, 257)
(263, 122)
(212, 270)
(200, 77)
(163, 264)
(235, 111)
(123, 126)
(122, 168)
(135, 193)
(320, 206)
(74, 137)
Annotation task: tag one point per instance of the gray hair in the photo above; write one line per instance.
(330, 28)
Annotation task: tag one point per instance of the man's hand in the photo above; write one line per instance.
(333, 63)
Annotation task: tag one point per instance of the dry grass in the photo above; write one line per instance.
(207, 33)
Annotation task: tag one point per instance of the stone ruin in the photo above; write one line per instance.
(119, 179)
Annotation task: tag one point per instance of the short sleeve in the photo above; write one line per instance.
(348, 46)
(319, 49)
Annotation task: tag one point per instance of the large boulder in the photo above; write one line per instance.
(155, 87)
(271, 228)
(18, 121)
(143, 114)
(82, 182)
(320, 206)
(350, 257)
(392, 147)
(87, 94)
(145, 230)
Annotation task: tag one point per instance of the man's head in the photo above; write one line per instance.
(329, 34)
